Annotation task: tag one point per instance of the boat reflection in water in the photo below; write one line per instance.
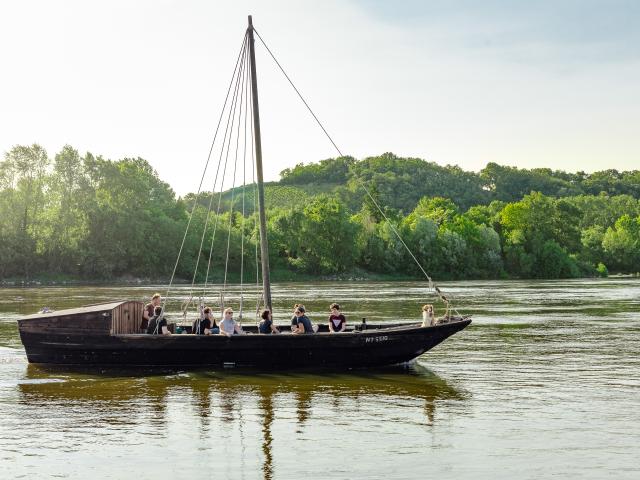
(229, 407)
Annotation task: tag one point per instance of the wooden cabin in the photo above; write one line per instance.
(116, 318)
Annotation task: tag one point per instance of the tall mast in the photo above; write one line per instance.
(264, 246)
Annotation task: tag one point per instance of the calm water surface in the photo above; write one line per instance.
(544, 383)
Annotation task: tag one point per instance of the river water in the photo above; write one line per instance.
(544, 383)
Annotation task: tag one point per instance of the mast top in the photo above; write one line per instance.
(250, 22)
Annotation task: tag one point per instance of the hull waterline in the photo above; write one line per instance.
(368, 348)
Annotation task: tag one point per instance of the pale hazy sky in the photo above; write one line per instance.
(532, 84)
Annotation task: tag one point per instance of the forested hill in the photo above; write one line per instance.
(401, 182)
(92, 218)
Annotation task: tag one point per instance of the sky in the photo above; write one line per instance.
(530, 84)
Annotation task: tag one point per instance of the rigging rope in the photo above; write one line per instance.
(206, 224)
(259, 291)
(195, 201)
(233, 184)
(244, 185)
(227, 142)
(432, 285)
(241, 102)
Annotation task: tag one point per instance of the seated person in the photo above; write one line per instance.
(266, 324)
(428, 320)
(228, 326)
(300, 323)
(337, 321)
(158, 324)
(147, 312)
(205, 325)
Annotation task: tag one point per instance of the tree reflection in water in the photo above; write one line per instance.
(148, 400)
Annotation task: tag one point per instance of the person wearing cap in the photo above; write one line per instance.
(300, 323)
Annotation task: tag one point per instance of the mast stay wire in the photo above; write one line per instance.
(432, 285)
(227, 142)
(244, 188)
(206, 224)
(204, 172)
(241, 98)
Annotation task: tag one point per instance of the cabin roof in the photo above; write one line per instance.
(100, 307)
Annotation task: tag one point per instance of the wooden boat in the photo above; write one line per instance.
(109, 334)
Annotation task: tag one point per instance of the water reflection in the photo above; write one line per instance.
(146, 398)
(268, 415)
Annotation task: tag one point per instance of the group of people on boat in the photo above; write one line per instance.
(155, 323)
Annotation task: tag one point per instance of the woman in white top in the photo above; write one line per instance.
(428, 319)
(228, 326)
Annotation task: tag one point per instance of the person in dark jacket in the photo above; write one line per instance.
(266, 324)
(158, 324)
(300, 323)
(206, 325)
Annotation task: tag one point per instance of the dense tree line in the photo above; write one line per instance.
(93, 218)
(84, 216)
(401, 182)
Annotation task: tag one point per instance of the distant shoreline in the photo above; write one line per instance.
(277, 277)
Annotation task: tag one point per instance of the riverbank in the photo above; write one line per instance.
(277, 275)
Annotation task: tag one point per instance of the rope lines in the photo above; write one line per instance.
(432, 286)
(259, 292)
(204, 172)
(244, 183)
(238, 109)
(233, 183)
(204, 230)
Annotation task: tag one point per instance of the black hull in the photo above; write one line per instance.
(368, 348)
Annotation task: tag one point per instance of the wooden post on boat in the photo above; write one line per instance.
(264, 246)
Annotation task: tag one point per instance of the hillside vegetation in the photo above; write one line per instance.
(91, 218)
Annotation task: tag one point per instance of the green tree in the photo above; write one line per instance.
(401, 182)
(23, 175)
(603, 210)
(65, 226)
(537, 218)
(621, 243)
(331, 170)
(533, 229)
(329, 235)
(553, 261)
(612, 182)
(134, 222)
(591, 239)
(316, 238)
(511, 183)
